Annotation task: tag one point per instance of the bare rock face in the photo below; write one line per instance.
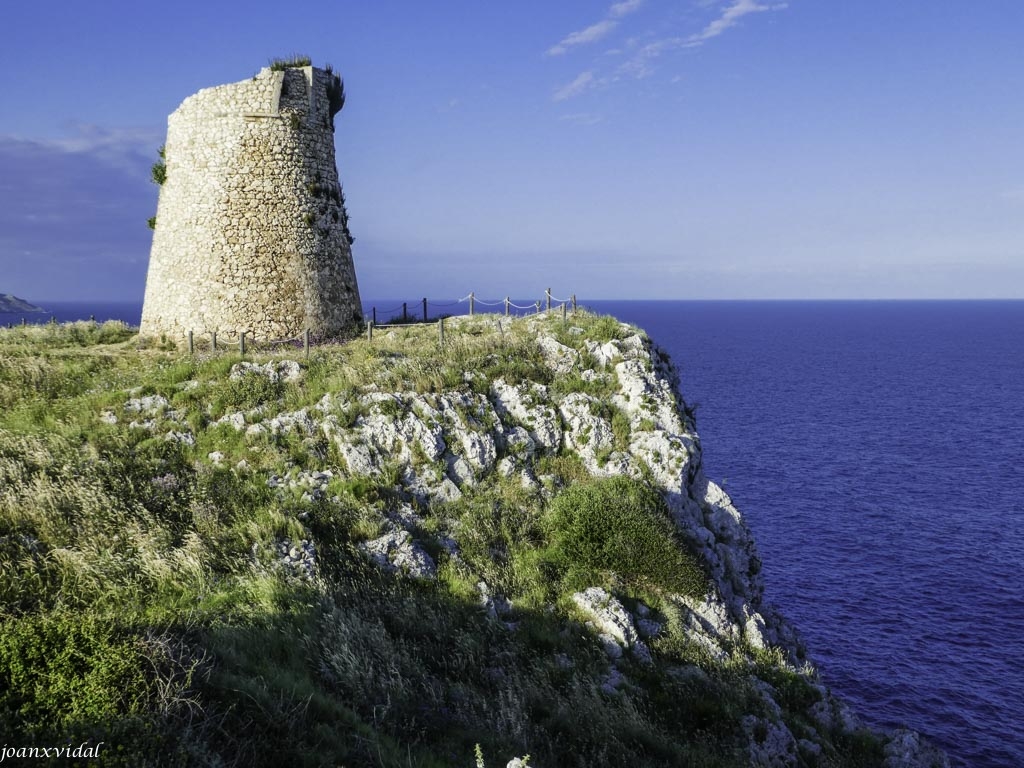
(613, 622)
(251, 228)
(397, 551)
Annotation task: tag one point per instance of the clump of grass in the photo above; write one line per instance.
(296, 60)
(622, 525)
(245, 391)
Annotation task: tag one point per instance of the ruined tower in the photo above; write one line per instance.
(251, 229)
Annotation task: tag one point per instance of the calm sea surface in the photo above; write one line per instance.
(876, 449)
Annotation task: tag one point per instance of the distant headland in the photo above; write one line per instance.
(11, 303)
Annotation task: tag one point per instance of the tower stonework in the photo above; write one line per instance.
(251, 229)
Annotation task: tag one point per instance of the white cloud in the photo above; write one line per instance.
(624, 8)
(130, 149)
(730, 17)
(591, 34)
(641, 64)
(596, 31)
(79, 205)
(583, 82)
(639, 58)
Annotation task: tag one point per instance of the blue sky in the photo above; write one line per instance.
(632, 149)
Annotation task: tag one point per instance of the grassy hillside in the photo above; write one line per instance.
(194, 570)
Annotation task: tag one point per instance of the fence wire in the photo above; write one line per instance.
(254, 344)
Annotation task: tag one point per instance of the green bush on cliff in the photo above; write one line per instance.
(61, 668)
(622, 525)
(247, 390)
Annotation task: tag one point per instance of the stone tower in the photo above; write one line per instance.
(251, 228)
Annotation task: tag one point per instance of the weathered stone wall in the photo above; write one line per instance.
(251, 230)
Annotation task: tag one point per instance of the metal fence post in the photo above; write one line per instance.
(506, 306)
(472, 302)
(424, 309)
(547, 296)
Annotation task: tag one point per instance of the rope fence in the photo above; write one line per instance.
(424, 304)
(246, 341)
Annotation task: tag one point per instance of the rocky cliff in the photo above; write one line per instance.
(508, 540)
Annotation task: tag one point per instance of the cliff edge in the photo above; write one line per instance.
(394, 551)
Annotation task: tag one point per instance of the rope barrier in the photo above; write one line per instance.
(245, 341)
(377, 327)
(275, 342)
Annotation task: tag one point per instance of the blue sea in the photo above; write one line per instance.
(876, 449)
(68, 311)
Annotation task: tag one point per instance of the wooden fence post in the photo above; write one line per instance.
(405, 312)
(506, 306)
(563, 311)
(574, 303)
(440, 331)
(547, 296)
(424, 309)
(214, 339)
(191, 344)
(472, 302)
(241, 343)
(374, 315)
(305, 342)
(369, 331)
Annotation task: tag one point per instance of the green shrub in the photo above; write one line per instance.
(60, 669)
(247, 391)
(622, 525)
(158, 172)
